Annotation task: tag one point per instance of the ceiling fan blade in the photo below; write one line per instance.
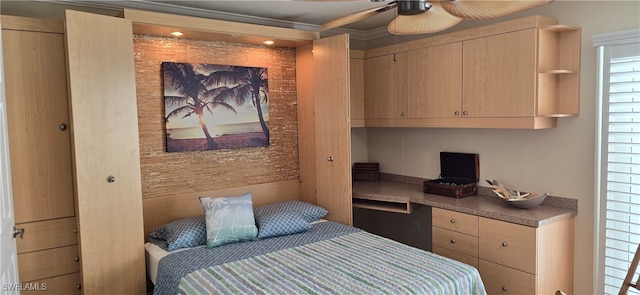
(488, 9)
(354, 17)
(433, 20)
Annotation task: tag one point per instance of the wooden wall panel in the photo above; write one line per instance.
(179, 173)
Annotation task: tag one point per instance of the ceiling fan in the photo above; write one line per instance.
(422, 16)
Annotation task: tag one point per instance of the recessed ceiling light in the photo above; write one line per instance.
(177, 34)
(268, 42)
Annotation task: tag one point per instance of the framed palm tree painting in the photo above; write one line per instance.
(210, 107)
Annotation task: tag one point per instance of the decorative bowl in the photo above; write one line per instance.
(528, 202)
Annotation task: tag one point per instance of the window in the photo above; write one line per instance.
(618, 158)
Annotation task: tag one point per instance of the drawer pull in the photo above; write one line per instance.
(77, 258)
(453, 241)
(505, 289)
(504, 244)
(78, 286)
(453, 220)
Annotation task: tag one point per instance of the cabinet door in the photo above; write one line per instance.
(434, 81)
(333, 134)
(499, 75)
(37, 116)
(385, 86)
(356, 93)
(106, 153)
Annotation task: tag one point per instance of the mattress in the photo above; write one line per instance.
(154, 254)
(330, 258)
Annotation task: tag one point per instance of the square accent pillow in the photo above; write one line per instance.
(281, 223)
(182, 233)
(309, 212)
(229, 219)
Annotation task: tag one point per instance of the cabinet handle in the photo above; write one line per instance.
(62, 127)
(18, 232)
(330, 159)
(504, 244)
(452, 220)
(453, 241)
(465, 113)
(402, 114)
(75, 230)
(78, 286)
(77, 258)
(111, 179)
(505, 289)
(457, 113)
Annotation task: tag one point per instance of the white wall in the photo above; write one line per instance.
(560, 161)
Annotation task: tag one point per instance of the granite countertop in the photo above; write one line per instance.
(485, 204)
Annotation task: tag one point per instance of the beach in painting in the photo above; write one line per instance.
(227, 136)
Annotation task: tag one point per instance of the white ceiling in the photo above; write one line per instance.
(301, 14)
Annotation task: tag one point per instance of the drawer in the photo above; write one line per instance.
(68, 285)
(464, 258)
(508, 244)
(455, 221)
(47, 234)
(455, 241)
(48, 263)
(499, 279)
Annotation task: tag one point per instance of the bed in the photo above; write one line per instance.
(324, 258)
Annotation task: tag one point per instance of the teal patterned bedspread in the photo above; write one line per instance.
(355, 263)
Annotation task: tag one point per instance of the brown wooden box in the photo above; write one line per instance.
(459, 173)
(366, 171)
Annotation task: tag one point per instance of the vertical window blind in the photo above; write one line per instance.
(619, 162)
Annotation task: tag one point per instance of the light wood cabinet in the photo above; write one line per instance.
(455, 235)
(511, 258)
(522, 73)
(106, 153)
(499, 75)
(322, 71)
(356, 92)
(434, 81)
(385, 86)
(40, 151)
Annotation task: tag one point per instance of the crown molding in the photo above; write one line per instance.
(155, 6)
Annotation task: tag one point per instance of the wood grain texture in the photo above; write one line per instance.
(158, 211)
(36, 105)
(70, 284)
(306, 122)
(10, 22)
(47, 234)
(434, 81)
(499, 279)
(500, 74)
(104, 114)
(180, 173)
(386, 85)
(555, 243)
(48, 263)
(333, 134)
(508, 244)
(356, 95)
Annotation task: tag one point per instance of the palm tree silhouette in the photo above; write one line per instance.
(251, 85)
(194, 97)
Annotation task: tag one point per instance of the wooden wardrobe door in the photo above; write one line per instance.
(333, 132)
(106, 153)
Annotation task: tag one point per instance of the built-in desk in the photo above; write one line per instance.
(516, 250)
(375, 194)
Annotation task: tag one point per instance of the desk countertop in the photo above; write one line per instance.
(483, 204)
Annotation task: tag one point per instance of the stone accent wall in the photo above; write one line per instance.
(165, 173)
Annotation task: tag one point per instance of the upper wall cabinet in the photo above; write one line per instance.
(518, 74)
(385, 83)
(356, 92)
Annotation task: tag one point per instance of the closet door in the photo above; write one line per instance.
(106, 153)
(333, 133)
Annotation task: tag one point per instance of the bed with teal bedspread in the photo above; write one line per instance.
(329, 259)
